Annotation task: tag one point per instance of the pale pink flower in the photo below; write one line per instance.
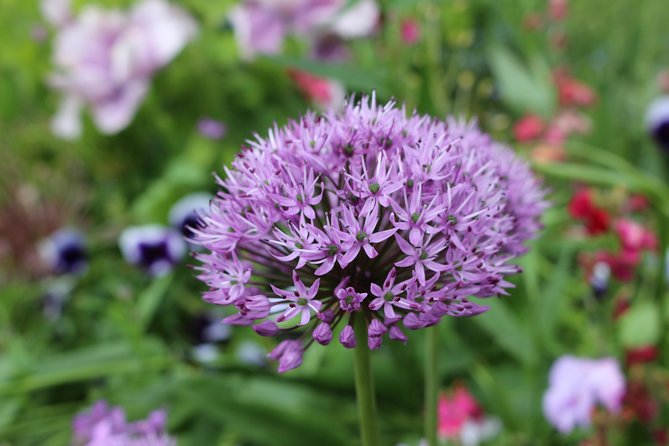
(261, 26)
(105, 60)
(577, 386)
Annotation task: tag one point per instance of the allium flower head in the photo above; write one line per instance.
(577, 386)
(365, 213)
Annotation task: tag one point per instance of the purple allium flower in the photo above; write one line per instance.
(211, 128)
(105, 59)
(261, 26)
(185, 213)
(577, 386)
(657, 120)
(155, 248)
(415, 213)
(104, 425)
(65, 252)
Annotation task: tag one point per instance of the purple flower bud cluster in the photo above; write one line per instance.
(365, 213)
(104, 425)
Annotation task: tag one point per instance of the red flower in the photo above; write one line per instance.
(582, 207)
(622, 264)
(639, 402)
(557, 9)
(572, 92)
(637, 203)
(409, 31)
(640, 355)
(581, 204)
(661, 437)
(528, 128)
(597, 222)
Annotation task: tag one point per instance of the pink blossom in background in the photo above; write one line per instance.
(105, 59)
(529, 128)
(409, 31)
(577, 386)
(323, 92)
(261, 26)
(633, 236)
(211, 128)
(557, 9)
(56, 12)
(454, 411)
(461, 418)
(572, 92)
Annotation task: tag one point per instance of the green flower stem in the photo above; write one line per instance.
(662, 286)
(364, 385)
(431, 384)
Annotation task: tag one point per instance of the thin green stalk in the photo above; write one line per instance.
(364, 385)
(662, 287)
(431, 384)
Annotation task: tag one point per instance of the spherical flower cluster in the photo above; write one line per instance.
(104, 425)
(365, 213)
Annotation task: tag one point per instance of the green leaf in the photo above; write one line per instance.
(150, 299)
(266, 411)
(523, 88)
(508, 332)
(548, 307)
(93, 362)
(640, 325)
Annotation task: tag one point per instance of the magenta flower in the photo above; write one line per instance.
(413, 212)
(577, 386)
(105, 59)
